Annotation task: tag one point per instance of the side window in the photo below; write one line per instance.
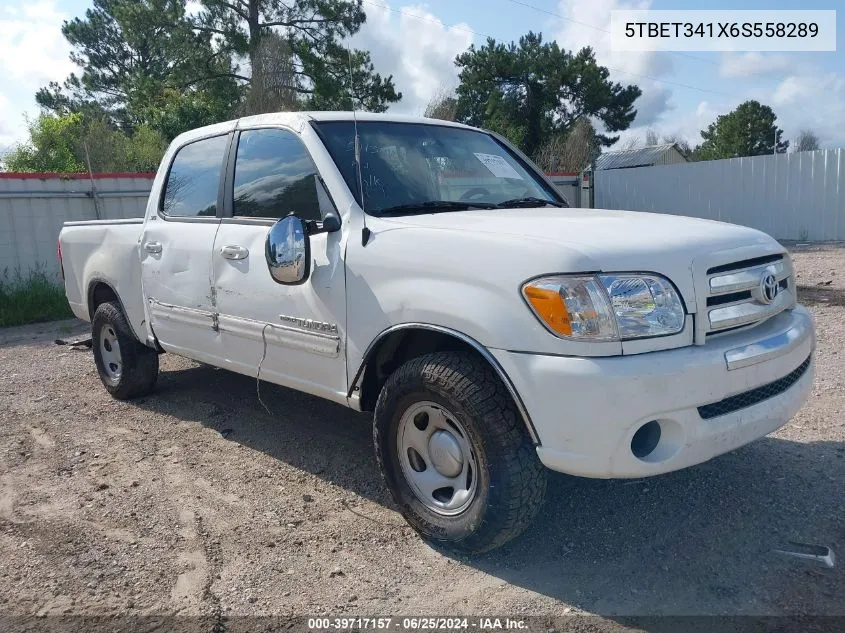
(194, 179)
(274, 176)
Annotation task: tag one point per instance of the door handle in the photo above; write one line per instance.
(152, 247)
(234, 252)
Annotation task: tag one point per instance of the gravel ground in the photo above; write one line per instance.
(196, 501)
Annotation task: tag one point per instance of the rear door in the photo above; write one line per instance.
(176, 270)
(294, 333)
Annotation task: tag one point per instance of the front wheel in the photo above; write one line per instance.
(127, 368)
(455, 453)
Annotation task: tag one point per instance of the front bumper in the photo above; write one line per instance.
(586, 410)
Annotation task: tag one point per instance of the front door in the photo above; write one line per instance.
(294, 334)
(175, 248)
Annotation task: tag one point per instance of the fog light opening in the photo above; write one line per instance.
(646, 439)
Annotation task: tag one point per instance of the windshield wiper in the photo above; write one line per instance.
(529, 201)
(434, 206)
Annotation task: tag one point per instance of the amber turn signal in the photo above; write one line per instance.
(549, 306)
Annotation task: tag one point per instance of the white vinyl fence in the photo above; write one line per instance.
(34, 206)
(798, 196)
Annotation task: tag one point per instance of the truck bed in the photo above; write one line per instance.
(104, 252)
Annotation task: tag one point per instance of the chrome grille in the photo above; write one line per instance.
(740, 294)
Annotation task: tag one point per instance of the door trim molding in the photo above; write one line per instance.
(180, 314)
(298, 338)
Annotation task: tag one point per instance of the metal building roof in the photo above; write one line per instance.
(640, 157)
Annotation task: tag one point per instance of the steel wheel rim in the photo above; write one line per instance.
(110, 354)
(437, 459)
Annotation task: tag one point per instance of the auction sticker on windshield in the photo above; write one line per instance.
(498, 166)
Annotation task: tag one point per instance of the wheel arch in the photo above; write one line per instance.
(400, 343)
(101, 291)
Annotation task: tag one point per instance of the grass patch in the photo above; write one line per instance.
(31, 299)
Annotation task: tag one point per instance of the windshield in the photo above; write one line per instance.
(418, 167)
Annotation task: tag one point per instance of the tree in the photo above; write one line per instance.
(107, 148)
(50, 147)
(683, 146)
(572, 152)
(443, 105)
(314, 31)
(749, 130)
(807, 141)
(69, 144)
(145, 151)
(272, 86)
(171, 112)
(138, 58)
(634, 142)
(531, 90)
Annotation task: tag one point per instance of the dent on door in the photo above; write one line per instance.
(259, 316)
(282, 306)
(290, 261)
(175, 258)
(177, 284)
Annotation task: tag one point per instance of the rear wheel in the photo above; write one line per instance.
(127, 368)
(455, 453)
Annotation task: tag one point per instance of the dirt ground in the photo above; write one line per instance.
(196, 501)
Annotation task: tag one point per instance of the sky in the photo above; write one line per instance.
(417, 43)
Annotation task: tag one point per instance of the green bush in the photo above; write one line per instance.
(31, 299)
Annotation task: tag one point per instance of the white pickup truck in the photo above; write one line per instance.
(429, 272)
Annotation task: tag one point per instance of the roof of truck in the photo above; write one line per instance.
(297, 119)
(348, 115)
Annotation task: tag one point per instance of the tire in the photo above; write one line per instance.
(509, 480)
(127, 368)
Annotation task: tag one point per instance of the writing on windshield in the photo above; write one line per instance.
(407, 166)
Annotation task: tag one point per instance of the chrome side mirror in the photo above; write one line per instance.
(288, 251)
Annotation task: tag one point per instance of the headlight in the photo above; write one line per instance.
(606, 307)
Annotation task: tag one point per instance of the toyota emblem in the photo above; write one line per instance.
(769, 287)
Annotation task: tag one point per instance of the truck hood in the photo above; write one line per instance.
(597, 240)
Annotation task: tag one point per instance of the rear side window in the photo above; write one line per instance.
(194, 179)
(274, 176)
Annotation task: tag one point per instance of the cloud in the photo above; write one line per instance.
(689, 125)
(32, 48)
(814, 101)
(588, 24)
(13, 128)
(33, 52)
(802, 90)
(810, 99)
(684, 124)
(416, 48)
(193, 7)
(7, 128)
(752, 64)
(653, 105)
(742, 65)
